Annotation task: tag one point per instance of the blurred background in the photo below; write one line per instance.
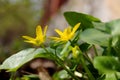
(20, 17)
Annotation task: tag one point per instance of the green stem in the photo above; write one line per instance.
(91, 77)
(109, 47)
(48, 52)
(12, 77)
(116, 76)
(65, 48)
(95, 50)
(60, 62)
(88, 58)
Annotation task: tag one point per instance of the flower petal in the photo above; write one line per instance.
(28, 38)
(40, 36)
(59, 32)
(68, 30)
(67, 34)
(38, 31)
(56, 38)
(33, 42)
(75, 27)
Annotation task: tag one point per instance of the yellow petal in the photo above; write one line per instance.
(38, 31)
(59, 32)
(28, 38)
(76, 27)
(67, 34)
(68, 31)
(65, 31)
(33, 42)
(40, 36)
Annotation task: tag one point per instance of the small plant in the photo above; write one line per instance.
(88, 50)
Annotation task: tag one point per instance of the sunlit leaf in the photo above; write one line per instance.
(17, 60)
(94, 36)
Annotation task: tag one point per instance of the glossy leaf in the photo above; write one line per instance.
(116, 45)
(17, 60)
(111, 27)
(109, 66)
(106, 64)
(114, 27)
(86, 20)
(94, 36)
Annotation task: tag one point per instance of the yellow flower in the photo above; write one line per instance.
(40, 36)
(67, 34)
(75, 51)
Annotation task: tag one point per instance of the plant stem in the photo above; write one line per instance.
(12, 77)
(87, 57)
(60, 62)
(48, 52)
(109, 47)
(91, 77)
(95, 50)
(116, 76)
(65, 48)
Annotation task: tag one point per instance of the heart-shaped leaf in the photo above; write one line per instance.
(86, 20)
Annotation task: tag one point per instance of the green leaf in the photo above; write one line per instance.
(85, 46)
(106, 64)
(17, 60)
(109, 66)
(29, 77)
(94, 36)
(110, 77)
(61, 75)
(116, 45)
(86, 20)
(111, 27)
(101, 26)
(114, 27)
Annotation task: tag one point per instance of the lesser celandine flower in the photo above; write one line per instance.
(75, 51)
(67, 34)
(40, 36)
